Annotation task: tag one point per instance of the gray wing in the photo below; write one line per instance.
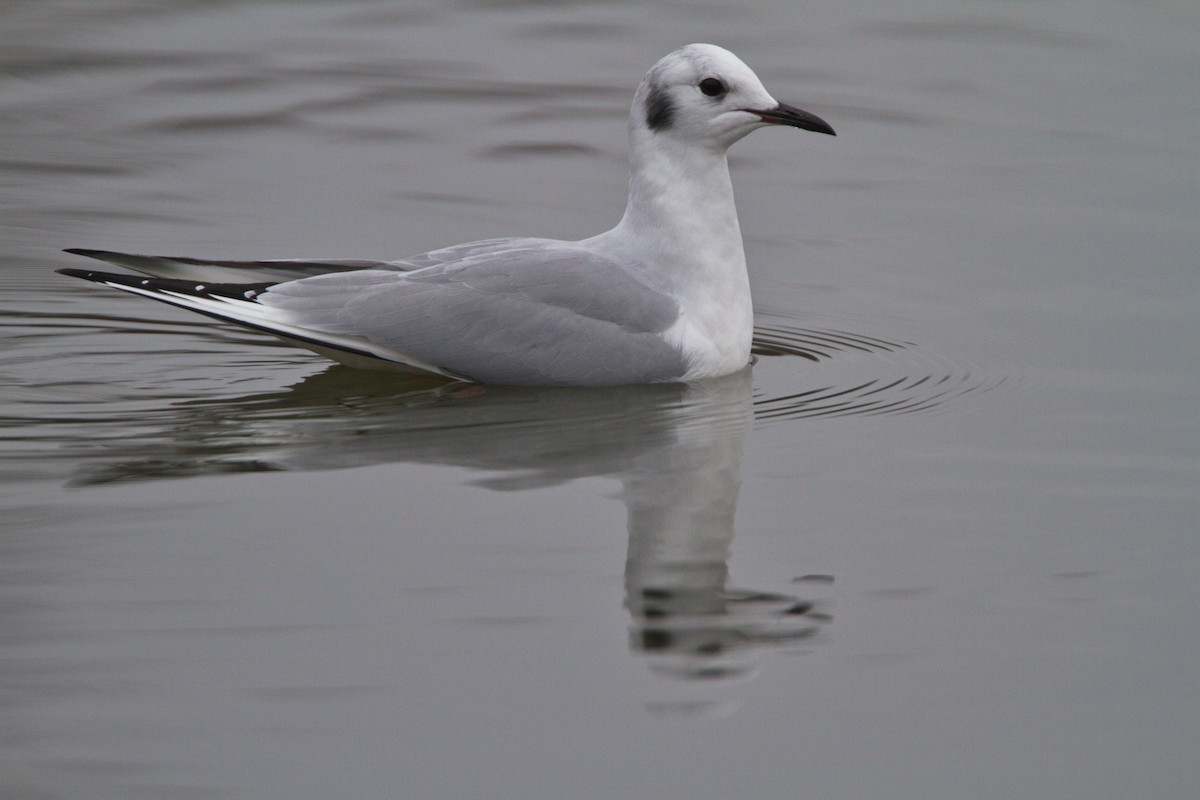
(513, 311)
(471, 252)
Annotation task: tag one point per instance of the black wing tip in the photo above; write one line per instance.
(110, 278)
(234, 291)
(83, 251)
(86, 274)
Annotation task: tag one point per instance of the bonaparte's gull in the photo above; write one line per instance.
(662, 297)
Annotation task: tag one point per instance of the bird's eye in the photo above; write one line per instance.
(712, 87)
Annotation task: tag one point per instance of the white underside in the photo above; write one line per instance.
(348, 350)
(708, 356)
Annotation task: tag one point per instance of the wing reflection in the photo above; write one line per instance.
(677, 450)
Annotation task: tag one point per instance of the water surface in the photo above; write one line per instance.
(938, 542)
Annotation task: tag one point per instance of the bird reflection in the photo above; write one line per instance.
(686, 619)
(676, 449)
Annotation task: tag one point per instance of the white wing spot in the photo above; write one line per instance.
(249, 294)
(145, 283)
(199, 287)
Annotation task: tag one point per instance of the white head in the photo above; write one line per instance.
(706, 95)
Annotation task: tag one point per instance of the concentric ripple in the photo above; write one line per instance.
(856, 374)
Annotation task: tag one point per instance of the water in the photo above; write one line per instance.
(940, 542)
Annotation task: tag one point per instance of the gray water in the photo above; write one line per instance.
(939, 542)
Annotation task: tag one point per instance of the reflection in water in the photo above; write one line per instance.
(681, 502)
(677, 449)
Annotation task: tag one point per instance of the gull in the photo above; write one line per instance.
(662, 297)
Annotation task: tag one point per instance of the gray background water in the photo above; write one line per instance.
(963, 487)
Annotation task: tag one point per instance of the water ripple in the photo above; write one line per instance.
(855, 374)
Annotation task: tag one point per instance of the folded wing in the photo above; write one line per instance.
(515, 311)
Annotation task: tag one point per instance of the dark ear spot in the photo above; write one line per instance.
(660, 113)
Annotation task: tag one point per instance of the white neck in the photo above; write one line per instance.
(680, 234)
